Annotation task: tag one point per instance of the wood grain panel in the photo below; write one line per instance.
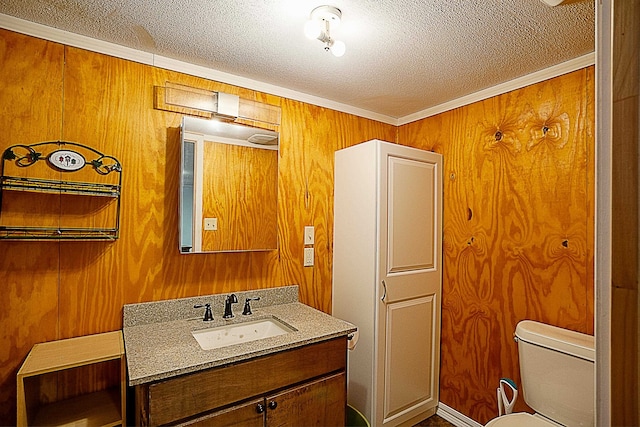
(214, 388)
(320, 403)
(31, 69)
(21, 208)
(518, 227)
(60, 290)
(624, 176)
(179, 98)
(310, 137)
(240, 189)
(102, 110)
(510, 205)
(198, 102)
(624, 368)
(243, 415)
(625, 234)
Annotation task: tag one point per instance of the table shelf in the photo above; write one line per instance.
(100, 408)
(25, 171)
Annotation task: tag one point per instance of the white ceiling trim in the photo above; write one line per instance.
(76, 40)
(518, 83)
(83, 42)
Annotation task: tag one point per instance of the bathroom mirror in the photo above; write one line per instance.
(228, 187)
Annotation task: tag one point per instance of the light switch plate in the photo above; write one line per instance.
(308, 257)
(309, 235)
(211, 224)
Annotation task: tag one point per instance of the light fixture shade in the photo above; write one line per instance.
(330, 14)
(312, 29)
(338, 48)
(323, 19)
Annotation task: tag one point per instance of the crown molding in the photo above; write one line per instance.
(83, 42)
(518, 83)
(76, 40)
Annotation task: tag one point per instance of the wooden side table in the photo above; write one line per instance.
(101, 408)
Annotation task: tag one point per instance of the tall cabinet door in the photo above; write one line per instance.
(410, 279)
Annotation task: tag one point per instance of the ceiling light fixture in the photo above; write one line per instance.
(323, 18)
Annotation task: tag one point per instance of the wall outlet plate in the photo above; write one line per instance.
(211, 224)
(308, 257)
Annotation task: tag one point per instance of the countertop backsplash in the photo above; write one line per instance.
(182, 308)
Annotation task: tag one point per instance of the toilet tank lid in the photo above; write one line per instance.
(558, 339)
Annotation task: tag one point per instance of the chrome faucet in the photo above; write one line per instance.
(230, 299)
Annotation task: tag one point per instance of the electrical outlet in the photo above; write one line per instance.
(309, 235)
(308, 257)
(211, 224)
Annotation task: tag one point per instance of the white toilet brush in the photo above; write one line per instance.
(504, 404)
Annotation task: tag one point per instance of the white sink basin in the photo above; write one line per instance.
(222, 336)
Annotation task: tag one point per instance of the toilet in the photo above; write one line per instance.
(557, 371)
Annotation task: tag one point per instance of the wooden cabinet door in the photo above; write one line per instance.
(245, 415)
(185, 397)
(318, 403)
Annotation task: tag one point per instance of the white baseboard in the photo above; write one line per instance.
(455, 417)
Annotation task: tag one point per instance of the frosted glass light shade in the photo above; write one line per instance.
(312, 29)
(338, 48)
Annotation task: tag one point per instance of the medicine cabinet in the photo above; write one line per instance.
(228, 187)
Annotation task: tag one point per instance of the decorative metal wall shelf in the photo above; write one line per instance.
(66, 158)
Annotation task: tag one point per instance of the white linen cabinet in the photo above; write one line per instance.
(387, 277)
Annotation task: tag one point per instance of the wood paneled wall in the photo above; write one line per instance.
(625, 215)
(518, 228)
(518, 211)
(53, 290)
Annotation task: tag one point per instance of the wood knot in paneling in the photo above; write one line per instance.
(552, 131)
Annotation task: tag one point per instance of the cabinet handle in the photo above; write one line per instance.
(384, 285)
(260, 408)
(273, 404)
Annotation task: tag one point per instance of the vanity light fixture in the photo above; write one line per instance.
(322, 19)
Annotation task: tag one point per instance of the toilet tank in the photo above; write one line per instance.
(557, 370)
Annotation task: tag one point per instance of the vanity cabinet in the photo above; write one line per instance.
(243, 415)
(302, 386)
(319, 403)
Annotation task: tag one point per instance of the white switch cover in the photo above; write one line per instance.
(308, 257)
(309, 235)
(211, 224)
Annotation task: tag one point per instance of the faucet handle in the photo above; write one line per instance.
(208, 315)
(247, 305)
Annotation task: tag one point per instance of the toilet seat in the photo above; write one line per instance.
(520, 419)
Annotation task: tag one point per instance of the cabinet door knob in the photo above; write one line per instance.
(273, 404)
(260, 408)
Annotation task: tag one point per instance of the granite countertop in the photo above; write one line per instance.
(165, 349)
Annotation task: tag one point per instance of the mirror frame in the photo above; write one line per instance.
(194, 132)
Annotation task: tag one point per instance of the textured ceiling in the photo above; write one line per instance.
(403, 56)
